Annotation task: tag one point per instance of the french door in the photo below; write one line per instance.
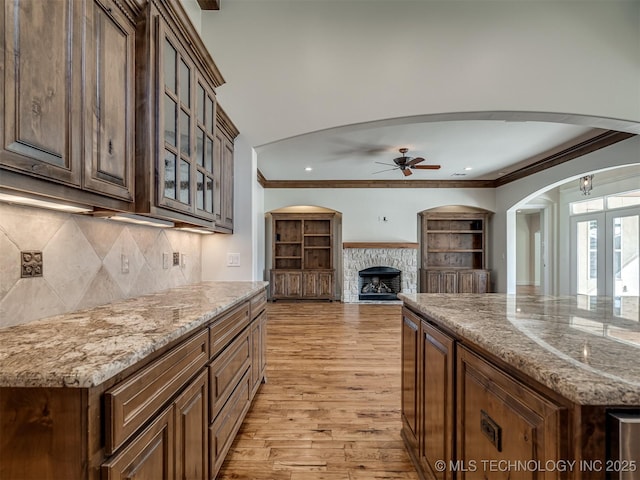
(606, 253)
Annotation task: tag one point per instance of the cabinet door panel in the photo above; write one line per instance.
(466, 282)
(410, 356)
(110, 83)
(227, 185)
(41, 98)
(149, 456)
(325, 284)
(433, 282)
(436, 419)
(192, 436)
(449, 282)
(481, 284)
(310, 284)
(294, 284)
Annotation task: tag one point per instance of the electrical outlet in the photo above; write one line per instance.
(176, 259)
(124, 263)
(166, 261)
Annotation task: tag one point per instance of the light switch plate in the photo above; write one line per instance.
(233, 259)
(166, 260)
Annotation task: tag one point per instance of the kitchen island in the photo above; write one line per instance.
(121, 390)
(518, 386)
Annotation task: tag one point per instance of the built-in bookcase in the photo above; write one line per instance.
(303, 251)
(453, 251)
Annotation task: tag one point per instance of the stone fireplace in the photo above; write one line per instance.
(362, 257)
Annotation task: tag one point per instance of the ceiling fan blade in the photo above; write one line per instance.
(426, 167)
(412, 162)
(386, 170)
(406, 172)
(383, 163)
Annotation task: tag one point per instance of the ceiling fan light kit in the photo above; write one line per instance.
(405, 164)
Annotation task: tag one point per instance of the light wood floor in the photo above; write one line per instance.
(331, 407)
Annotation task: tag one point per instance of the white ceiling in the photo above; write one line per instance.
(341, 85)
(490, 148)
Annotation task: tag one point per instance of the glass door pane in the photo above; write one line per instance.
(626, 255)
(587, 257)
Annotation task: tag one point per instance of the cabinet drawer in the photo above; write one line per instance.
(132, 402)
(222, 331)
(227, 369)
(227, 423)
(501, 418)
(258, 303)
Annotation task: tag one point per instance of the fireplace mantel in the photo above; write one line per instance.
(379, 245)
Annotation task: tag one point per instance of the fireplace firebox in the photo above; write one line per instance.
(379, 283)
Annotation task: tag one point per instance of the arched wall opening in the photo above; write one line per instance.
(540, 191)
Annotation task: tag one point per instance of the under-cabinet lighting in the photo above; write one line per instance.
(35, 201)
(308, 169)
(201, 231)
(138, 220)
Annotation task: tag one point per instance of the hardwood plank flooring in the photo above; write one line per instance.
(330, 409)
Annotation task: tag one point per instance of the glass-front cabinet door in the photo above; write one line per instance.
(186, 121)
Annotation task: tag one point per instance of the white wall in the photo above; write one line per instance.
(363, 209)
(523, 249)
(194, 12)
(246, 230)
(294, 66)
(514, 194)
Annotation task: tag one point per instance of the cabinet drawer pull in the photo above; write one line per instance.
(491, 430)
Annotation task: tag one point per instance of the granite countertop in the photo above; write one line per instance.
(85, 348)
(585, 348)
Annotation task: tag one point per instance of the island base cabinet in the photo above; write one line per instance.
(501, 422)
(148, 456)
(225, 426)
(435, 430)
(409, 387)
(41, 433)
(192, 438)
(177, 438)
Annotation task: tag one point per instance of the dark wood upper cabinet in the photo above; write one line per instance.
(67, 114)
(176, 118)
(109, 118)
(223, 166)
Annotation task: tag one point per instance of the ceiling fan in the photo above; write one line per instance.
(406, 164)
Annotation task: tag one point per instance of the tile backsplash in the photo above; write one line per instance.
(82, 262)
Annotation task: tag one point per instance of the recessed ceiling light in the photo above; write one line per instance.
(468, 168)
(308, 169)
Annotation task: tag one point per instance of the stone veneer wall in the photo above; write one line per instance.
(82, 262)
(356, 259)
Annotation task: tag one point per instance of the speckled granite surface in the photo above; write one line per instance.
(585, 348)
(86, 348)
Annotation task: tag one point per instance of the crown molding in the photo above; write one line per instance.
(378, 183)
